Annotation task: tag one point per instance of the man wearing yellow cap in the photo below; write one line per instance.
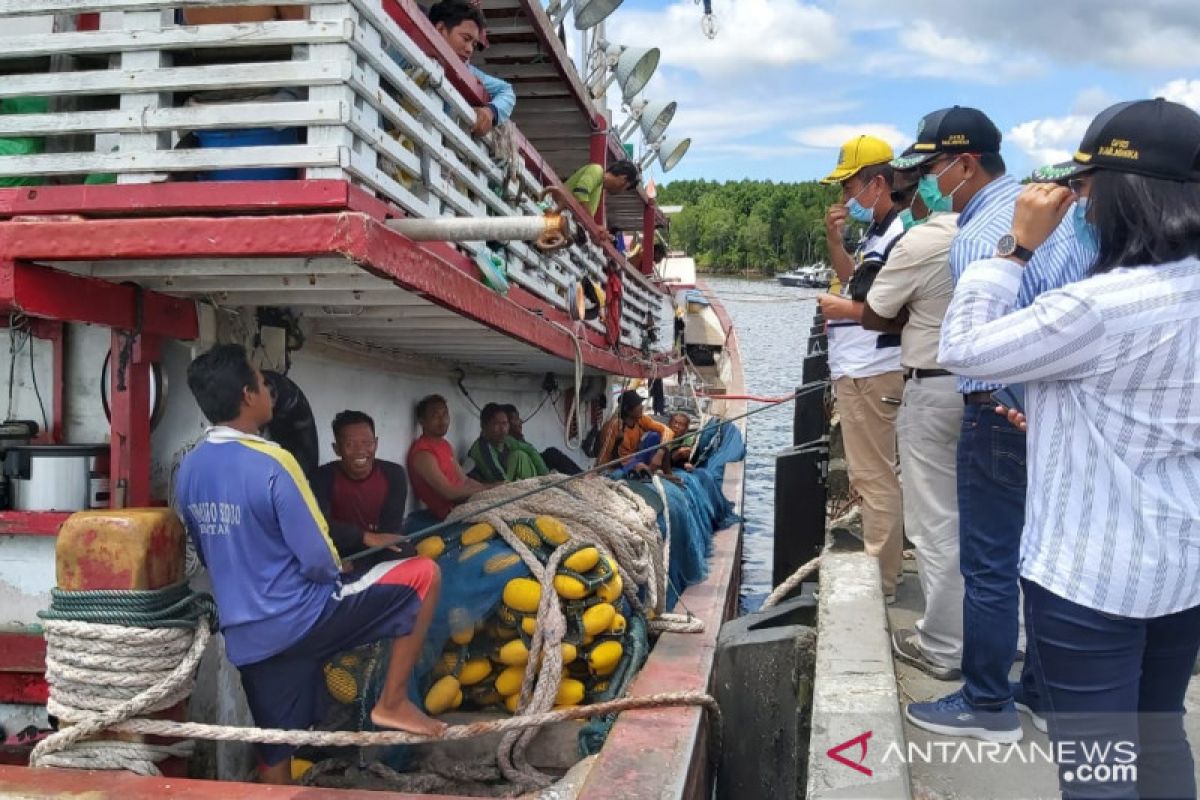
(864, 365)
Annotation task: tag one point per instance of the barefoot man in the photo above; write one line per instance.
(286, 604)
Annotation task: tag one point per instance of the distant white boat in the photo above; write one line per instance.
(814, 276)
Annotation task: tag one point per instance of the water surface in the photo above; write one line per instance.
(772, 323)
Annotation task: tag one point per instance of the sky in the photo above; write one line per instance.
(786, 82)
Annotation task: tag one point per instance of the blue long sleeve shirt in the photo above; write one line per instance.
(257, 527)
(504, 99)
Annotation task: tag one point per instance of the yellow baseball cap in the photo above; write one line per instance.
(859, 152)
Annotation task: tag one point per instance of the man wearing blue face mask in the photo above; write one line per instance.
(958, 153)
(865, 366)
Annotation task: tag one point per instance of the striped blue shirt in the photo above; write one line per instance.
(1112, 509)
(987, 217)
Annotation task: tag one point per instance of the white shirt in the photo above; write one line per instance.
(1112, 512)
(917, 277)
(853, 350)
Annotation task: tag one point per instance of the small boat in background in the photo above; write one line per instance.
(813, 276)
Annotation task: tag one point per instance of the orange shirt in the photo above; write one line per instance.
(618, 441)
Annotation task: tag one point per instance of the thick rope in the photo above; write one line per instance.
(96, 698)
(795, 579)
(229, 733)
(596, 511)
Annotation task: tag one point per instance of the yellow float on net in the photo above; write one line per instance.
(474, 671)
(509, 681)
(604, 657)
(527, 534)
(463, 635)
(523, 594)
(570, 692)
(598, 618)
(467, 553)
(553, 531)
(341, 684)
(511, 701)
(299, 767)
(431, 546)
(610, 590)
(582, 560)
(513, 654)
(617, 628)
(570, 588)
(529, 625)
(442, 696)
(500, 562)
(479, 532)
(569, 652)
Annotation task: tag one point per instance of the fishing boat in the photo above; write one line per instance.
(813, 276)
(284, 181)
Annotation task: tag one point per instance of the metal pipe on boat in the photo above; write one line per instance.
(549, 230)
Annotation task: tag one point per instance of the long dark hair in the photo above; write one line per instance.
(1143, 221)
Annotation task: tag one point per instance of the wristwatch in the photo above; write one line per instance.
(1007, 247)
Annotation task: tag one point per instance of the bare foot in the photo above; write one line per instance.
(407, 717)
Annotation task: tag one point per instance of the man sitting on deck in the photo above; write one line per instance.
(629, 432)
(285, 606)
(590, 181)
(682, 443)
(555, 459)
(437, 479)
(499, 457)
(362, 497)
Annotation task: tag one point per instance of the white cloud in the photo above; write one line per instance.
(832, 137)
(1049, 140)
(1054, 139)
(754, 34)
(1181, 90)
(923, 39)
(1113, 33)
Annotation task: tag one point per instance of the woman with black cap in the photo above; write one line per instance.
(1110, 552)
(630, 431)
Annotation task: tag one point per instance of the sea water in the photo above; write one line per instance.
(772, 323)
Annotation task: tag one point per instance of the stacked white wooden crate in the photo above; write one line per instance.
(336, 64)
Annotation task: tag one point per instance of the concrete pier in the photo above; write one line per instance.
(856, 712)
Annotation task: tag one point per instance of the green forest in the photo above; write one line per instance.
(740, 226)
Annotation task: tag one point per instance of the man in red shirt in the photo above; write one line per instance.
(362, 497)
(437, 479)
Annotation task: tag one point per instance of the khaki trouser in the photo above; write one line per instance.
(928, 427)
(869, 435)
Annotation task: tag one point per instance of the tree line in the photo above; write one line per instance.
(738, 226)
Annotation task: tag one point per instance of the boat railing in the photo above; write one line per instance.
(124, 91)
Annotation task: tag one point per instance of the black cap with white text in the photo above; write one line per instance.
(1154, 138)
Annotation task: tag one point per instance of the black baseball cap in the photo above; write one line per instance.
(958, 129)
(1154, 138)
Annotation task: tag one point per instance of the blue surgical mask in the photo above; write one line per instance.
(907, 220)
(1085, 231)
(931, 193)
(858, 212)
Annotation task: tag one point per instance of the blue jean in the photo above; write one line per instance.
(991, 513)
(649, 439)
(1106, 680)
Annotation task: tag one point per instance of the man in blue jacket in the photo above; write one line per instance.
(286, 604)
(462, 26)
